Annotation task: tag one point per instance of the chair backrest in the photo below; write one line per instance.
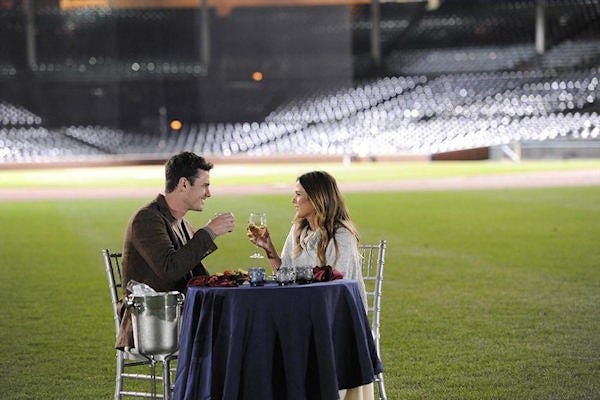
(112, 264)
(373, 261)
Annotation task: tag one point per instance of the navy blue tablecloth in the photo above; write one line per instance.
(272, 342)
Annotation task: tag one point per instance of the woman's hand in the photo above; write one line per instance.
(261, 240)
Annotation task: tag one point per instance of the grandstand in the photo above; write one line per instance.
(102, 83)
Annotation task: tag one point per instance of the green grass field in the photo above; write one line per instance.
(276, 174)
(488, 294)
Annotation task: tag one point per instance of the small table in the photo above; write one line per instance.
(274, 342)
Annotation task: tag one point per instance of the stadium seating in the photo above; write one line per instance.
(398, 115)
(452, 78)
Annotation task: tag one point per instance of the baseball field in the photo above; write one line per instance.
(492, 280)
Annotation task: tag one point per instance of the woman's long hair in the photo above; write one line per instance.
(330, 212)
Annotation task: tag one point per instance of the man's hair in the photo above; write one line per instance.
(183, 165)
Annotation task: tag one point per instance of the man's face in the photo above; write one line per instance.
(198, 191)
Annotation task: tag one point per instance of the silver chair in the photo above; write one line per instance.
(142, 367)
(373, 261)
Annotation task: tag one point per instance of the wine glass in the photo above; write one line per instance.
(257, 224)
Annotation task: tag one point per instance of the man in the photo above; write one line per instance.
(161, 248)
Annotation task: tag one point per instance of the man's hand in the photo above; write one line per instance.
(222, 223)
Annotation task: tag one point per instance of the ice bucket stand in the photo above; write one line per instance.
(156, 320)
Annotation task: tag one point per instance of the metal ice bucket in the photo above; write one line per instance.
(156, 322)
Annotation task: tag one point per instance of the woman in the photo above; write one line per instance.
(322, 233)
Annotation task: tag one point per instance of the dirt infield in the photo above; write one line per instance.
(520, 180)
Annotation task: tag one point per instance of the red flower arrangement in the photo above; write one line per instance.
(326, 274)
(227, 278)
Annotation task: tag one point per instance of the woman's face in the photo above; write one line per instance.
(304, 208)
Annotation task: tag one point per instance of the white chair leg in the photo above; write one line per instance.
(381, 387)
(119, 377)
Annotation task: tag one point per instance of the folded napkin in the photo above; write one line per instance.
(326, 274)
(212, 280)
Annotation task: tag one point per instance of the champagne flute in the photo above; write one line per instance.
(257, 224)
